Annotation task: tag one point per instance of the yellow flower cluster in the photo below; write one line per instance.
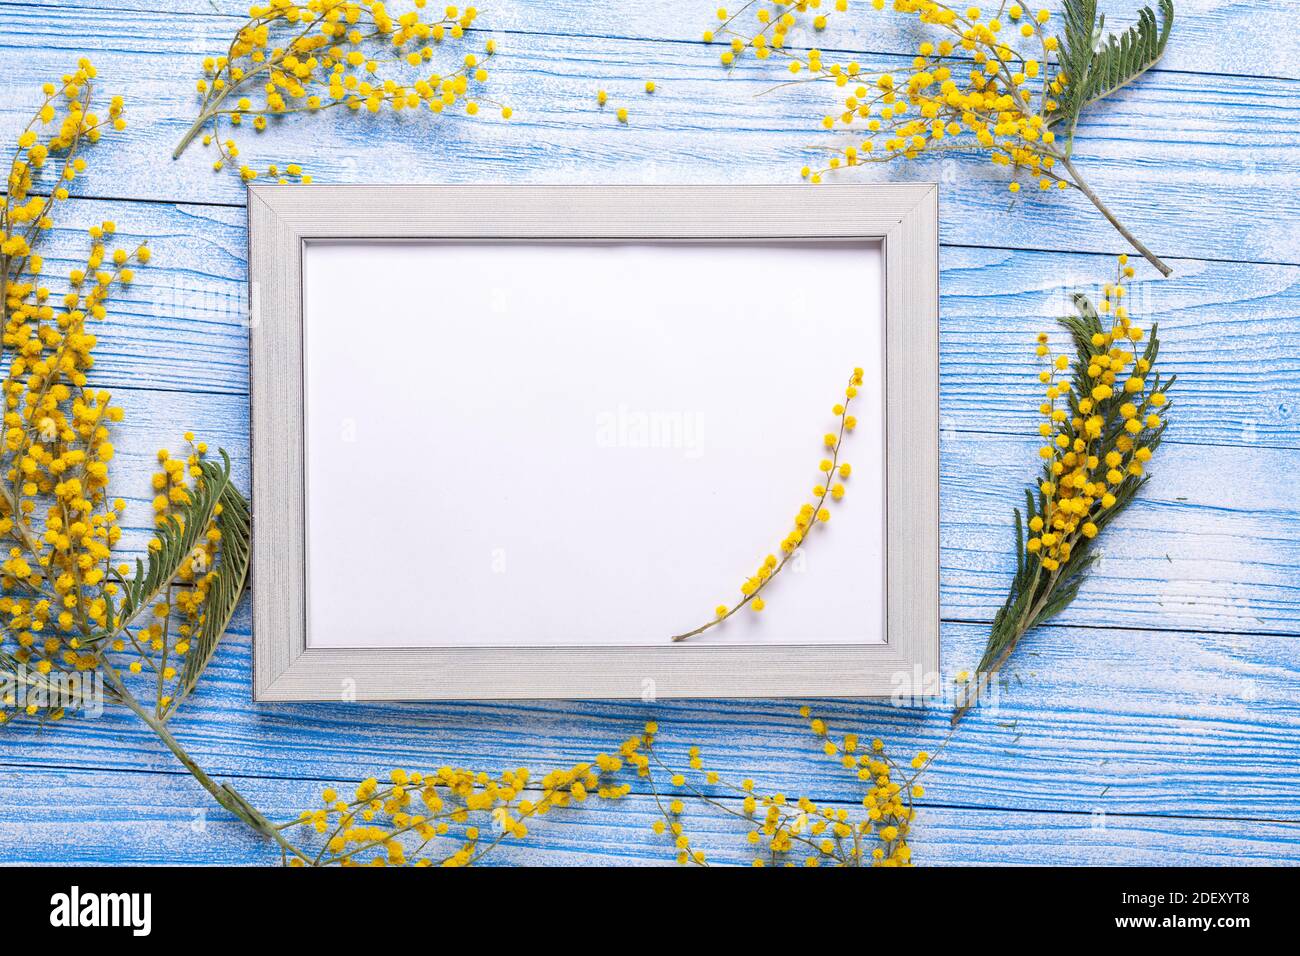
(447, 817)
(55, 513)
(775, 20)
(830, 484)
(1103, 416)
(53, 138)
(161, 645)
(308, 57)
(786, 831)
(990, 82)
(889, 798)
(455, 817)
(61, 593)
(976, 87)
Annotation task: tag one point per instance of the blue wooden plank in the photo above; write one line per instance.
(1230, 330)
(1197, 46)
(1182, 158)
(133, 818)
(1193, 553)
(181, 324)
(1091, 719)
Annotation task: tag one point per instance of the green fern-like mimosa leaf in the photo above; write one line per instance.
(177, 539)
(235, 525)
(1096, 69)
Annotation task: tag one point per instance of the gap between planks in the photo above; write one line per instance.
(650, 793)
(619, 37)
(216, 204)
(994, 432)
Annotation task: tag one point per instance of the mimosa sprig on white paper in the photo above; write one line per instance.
(830, 484)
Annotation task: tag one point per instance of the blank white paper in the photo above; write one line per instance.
(538, 443)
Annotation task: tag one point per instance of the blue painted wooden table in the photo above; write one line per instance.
(1155, 722)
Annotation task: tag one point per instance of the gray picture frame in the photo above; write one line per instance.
(903, 217)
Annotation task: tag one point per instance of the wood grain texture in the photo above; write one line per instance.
(144, 819)
(1193, 553)
(1216, 149)
(1169, 693)
(1091, 719)
(1201, 27)
(1231, 330)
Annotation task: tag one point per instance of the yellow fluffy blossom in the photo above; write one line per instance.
(785, 831)
(354, 57)
(808, 514)
(70, 610)
(59, 524)
(450, 817)
(1103, 415)
(972, 86)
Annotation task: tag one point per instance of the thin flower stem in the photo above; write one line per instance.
(826, 489)
(718, 805)
(197, 128)
(972, 695)
(225, 795)
(1136, 243)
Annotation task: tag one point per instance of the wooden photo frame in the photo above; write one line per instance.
(505, 439)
